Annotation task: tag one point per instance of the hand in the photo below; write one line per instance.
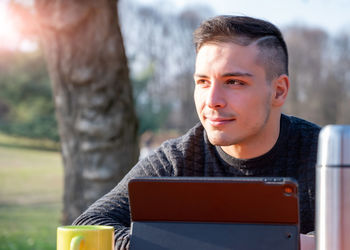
(307, 242)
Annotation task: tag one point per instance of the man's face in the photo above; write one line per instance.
(232, 96)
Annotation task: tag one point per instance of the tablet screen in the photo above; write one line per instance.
(267, 200)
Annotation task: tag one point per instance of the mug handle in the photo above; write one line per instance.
(76, 242)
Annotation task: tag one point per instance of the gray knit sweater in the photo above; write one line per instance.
(294, 155)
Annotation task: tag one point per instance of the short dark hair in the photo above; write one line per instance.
(243, 30)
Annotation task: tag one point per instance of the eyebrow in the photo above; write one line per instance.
(241, 74)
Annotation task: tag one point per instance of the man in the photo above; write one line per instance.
(241, 83)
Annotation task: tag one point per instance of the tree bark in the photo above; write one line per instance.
(92, 94)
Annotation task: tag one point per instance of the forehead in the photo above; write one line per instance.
(227, 57)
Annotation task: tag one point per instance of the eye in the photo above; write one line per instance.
(235, 82)
(202, 82)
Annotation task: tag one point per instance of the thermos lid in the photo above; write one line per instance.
(334, 146)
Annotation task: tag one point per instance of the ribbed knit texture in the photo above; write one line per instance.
(294, 155)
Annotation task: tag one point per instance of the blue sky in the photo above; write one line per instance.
(331, 15)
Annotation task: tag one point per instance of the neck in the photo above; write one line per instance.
(258, 144)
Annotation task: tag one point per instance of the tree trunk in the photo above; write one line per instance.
(93, 97)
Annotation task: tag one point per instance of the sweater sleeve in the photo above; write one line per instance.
(113, 208)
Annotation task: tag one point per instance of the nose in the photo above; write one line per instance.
(215, 97)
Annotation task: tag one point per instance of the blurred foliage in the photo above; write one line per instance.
(26, 105)
(151, 115)
(27, 108)
(159, 46)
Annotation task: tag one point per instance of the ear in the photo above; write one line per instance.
(280, 90)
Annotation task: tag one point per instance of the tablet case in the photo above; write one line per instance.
(214, 213)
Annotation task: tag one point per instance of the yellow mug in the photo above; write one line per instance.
(85, 238)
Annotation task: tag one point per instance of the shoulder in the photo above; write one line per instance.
(300, 126)
(193, 138)
(184, 155)
(172, 152)
(302, 141)
(301, 138)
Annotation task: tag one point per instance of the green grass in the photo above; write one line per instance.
(29, 226)
(31, 184)
(22, 142)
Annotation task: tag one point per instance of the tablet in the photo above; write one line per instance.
(198, 199)
(214, 213)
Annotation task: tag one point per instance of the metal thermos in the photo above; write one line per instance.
(333, 189)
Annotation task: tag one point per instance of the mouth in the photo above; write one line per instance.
(219, 121)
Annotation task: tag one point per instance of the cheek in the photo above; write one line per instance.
(198, 99)
(251, 105)
(239, 103)
(258, 108)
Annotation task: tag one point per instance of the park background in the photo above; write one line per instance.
(158, 43)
